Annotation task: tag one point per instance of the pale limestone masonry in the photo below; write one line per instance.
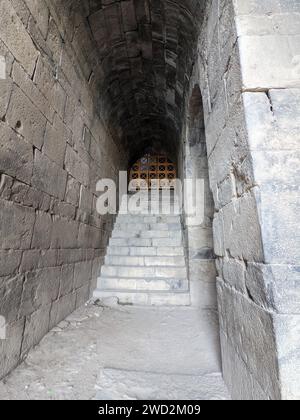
(52, 241)
(145, 262)
(86, 86)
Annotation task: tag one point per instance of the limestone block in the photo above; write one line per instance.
(48, 177)
(276, 287)
(40, 12)
(242, 229)
(82, 273)
(54, 40)
(76, 167)
(241, 384)
(10, 348)
(278, 218)
(25, 118)
(40, 288)
(70, 256)
(218, 234)
(10, 297)
(62, 308)
(21, 46)
(58, 99)
(55, 142)
(67, 279)
(251, 332)
(22, 10)
(16, 156)
(288, 340)
(86, 199)
(268, 62)
(272, 121)
(82, 295)
(36, 326)
(33, 92)
(233, 272)
(64, 233)
(72, 191)
(16, 225)
(5, 87)
(34, 259)
(9, 262)
(257, 7)
(42, 231)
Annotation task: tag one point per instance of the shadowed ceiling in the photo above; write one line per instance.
(144, 51)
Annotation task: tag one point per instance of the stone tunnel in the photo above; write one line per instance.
(88, 87)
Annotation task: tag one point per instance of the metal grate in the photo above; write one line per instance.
(153, 171)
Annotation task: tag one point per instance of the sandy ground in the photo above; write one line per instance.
(123, 353)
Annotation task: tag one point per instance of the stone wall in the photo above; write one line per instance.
(249, 75)
(198, 234)
(53, 149)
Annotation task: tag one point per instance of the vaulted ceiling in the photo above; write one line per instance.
(145, 51)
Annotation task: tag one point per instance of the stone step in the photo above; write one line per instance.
(142, 298)
(146, 234)
(140, 227)
(151, 261)
(144, 272)
(145, 251)
(145, 242)
(137, 242)
(163, 242)
(126, 218)
(124, 283)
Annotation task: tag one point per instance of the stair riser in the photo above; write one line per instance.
(146, 234)
(145, 261)
(146, 299)
(144, 242)
(147, 219)
(145, 251)
(142, 284)
(144, 272)
(140, 227)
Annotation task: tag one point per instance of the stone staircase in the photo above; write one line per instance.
(145, 262)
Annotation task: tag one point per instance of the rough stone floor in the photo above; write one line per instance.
(123, 353)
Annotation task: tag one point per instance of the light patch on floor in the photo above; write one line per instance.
(121, 353)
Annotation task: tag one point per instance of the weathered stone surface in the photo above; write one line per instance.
(42, 231)
(21, 46)
(67, 279)
(47, 176)
(41, 287)
(62, 308)
(36, 326)
(25, 118)
(11, 347)
(276, 287)
(252, 337)
(82, 273)
(35, 258)
(9, 262)
(16, 225)
(10, 297)
(64, 233)
(16, 155)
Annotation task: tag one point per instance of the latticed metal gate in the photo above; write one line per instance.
(153, 171)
